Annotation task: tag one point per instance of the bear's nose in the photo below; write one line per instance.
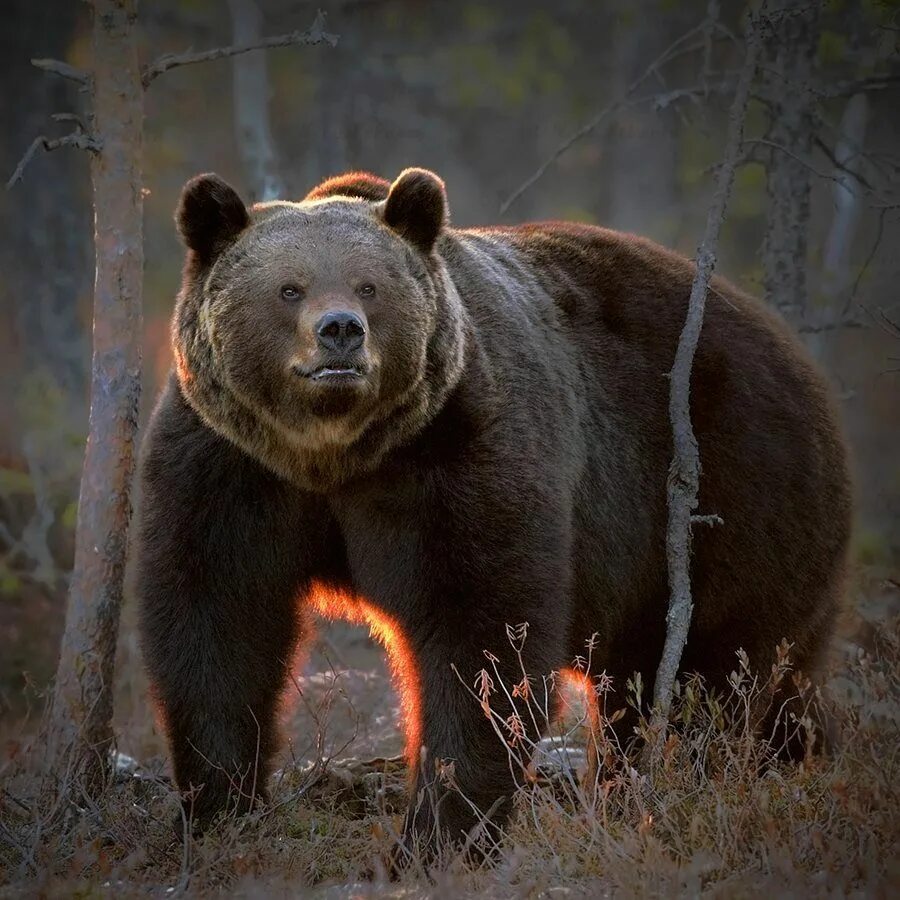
(342, 331)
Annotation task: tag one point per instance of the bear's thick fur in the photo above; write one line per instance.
(456, 430)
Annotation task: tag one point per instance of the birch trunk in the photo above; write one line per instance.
(847, 196)
(251, 105)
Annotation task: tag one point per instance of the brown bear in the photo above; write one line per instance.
(444, 431)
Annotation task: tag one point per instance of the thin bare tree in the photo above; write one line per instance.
(684, 473)
(80, 733)
(251, 105)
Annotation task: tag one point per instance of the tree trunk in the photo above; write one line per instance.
(80, 725)
(329, 146)
(251, 105)
(789, 139)
(847, 196)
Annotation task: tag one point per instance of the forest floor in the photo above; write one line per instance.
(713, 816)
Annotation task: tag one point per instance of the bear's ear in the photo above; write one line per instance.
(416, 208)
(210, 216)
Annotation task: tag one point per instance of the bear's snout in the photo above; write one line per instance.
(341, 331)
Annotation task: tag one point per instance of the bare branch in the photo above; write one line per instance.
(763, 142)
(663, 100)
(69, 117)
(841, 165)
(712, 18)
(684, 474)
(675, 50)
(63, 69)
(695, 93)
(889, 325)
(713, 519)
(837, 325)
(78, 139)
(849, 88)
(315, 34)
(884, 163)
(869, 257)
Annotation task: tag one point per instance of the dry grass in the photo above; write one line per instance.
(713, 815)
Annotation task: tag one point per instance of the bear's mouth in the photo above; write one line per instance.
(332, 372)
(335, 372)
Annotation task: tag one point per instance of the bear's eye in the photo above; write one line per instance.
(366, 290)
(290, 292)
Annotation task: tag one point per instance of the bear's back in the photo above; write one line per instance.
(763, 414)
(621, 302)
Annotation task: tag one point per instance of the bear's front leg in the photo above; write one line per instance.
(224, 550)
(477, 729)
(478, 723)
(453, 557)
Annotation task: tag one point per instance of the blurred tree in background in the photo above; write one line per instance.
(484, 93)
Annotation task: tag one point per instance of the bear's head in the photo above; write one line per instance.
(318, 335)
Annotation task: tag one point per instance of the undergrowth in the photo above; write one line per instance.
(712, 813)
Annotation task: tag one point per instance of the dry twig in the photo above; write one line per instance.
(77, 139)
(315, 34)
(673, 51)
(63, 69)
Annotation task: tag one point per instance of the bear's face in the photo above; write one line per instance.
(316, 317)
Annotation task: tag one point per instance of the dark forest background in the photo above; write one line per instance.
(483, 93)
